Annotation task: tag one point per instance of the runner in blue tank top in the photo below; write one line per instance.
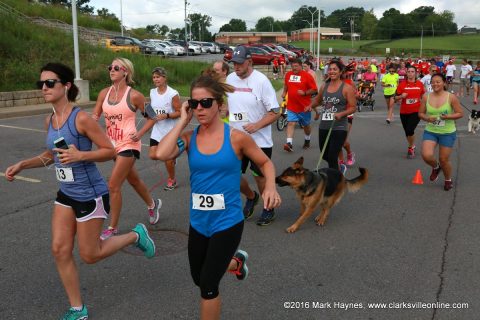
(216, 218)
(82, 203)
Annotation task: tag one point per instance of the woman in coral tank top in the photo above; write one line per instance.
(119, 104)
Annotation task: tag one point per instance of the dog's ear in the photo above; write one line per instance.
(299, 162)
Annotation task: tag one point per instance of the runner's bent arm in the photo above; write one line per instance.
(457, 109)
(138, 101)
(168, 148)
(88, 127)
(244, 145)
(97, 110)
(43, 159)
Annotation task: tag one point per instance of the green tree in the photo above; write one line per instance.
(420, 14)
(82, 5)
(265, 24)
(163, 30)
(104, 13)
(298, 17)
(199, 24)
(341, 19)
(368, 25)
(237, 25)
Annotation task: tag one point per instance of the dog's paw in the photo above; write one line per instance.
(291, 229)
(320, 222)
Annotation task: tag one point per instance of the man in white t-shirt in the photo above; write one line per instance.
(465, 72)
(253, 107)
(427, 79)
(450, 74)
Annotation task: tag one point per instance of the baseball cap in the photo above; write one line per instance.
(240, 54)
(160, 71)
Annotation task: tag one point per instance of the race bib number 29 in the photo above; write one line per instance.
(208, 202)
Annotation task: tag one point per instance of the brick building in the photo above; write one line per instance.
(234, 38)
(325, 33)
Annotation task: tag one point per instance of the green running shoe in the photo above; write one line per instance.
(144, 242)
(73, 314)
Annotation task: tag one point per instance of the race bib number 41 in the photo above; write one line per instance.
(328, 116)
(208, 202)
(64, 174)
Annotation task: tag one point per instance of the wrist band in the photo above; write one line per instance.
(180, 145)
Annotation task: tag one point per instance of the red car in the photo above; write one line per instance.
(259, 56)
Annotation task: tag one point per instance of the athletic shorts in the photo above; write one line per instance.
(388, 96)
(153, 142)
(253, 167)
(98, 208)
(465, 82)
(449, 79)
(303, 118)
(445, 139)
(129, 153)
(409, 122)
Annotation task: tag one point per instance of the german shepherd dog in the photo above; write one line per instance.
(324, 189)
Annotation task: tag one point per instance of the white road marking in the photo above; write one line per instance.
(22, 178)
(20, 128)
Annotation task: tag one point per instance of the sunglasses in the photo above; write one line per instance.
(205, 103)
(50, 83)
(116, 68)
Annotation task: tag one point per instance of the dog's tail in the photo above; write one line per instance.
(355, 184)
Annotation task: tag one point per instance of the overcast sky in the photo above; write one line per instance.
(139, 13)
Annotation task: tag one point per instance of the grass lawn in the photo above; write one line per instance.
(335, 44)
(453, 42)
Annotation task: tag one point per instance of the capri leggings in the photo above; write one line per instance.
(334, 145)
(209, 257)
(409, 123)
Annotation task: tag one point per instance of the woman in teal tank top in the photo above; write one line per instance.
(216, 219)
(439, 109)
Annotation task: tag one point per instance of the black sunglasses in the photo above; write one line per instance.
(50, 83)
(205, 103)
(115, 67)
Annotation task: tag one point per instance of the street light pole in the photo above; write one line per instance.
(121, 16)
(186, 41)
(318, 39)
(312, 45)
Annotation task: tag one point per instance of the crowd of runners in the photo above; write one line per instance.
(234, 112)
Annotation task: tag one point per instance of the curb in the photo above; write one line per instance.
(33, 110)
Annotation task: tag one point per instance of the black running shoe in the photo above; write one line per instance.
(306, 144)
(266, 218)
(250, 206)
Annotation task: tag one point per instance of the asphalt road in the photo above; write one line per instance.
(392, 242)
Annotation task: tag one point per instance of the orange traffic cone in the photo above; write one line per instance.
(418, 179)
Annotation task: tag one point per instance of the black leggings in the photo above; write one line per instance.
(409, 123)
(334, 145)
(209, 257)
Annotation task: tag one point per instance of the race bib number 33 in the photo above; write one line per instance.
(208, 201)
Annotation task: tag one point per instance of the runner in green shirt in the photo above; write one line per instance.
(389, 84)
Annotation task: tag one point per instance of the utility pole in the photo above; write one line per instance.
(421, 43)
(318, 39)
(352, 28)
(433, 31)
(186, 41)
(121, 16)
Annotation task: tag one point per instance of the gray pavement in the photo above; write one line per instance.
(392, 242)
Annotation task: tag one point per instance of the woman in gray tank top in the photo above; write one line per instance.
(337, 100)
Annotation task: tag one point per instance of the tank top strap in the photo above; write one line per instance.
(126, 99)
(71, 122)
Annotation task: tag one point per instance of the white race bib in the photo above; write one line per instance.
(64, 174)
(411, 101)
(439, 123)
(238, 117)
(208, 202)
(328, 116)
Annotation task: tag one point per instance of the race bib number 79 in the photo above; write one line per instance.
(208, 202)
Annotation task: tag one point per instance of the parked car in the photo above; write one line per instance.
(159, 49)
(268, 49)
(179, 50)
(194, 48)
(145, 49)
(222, 46)
(259, 56)
(111, 44)
(211, 47)
(203, 49)
(299, 51)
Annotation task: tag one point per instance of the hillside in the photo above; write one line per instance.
(26, 47)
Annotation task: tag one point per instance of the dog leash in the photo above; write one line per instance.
(325, 145)
(464, 106)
